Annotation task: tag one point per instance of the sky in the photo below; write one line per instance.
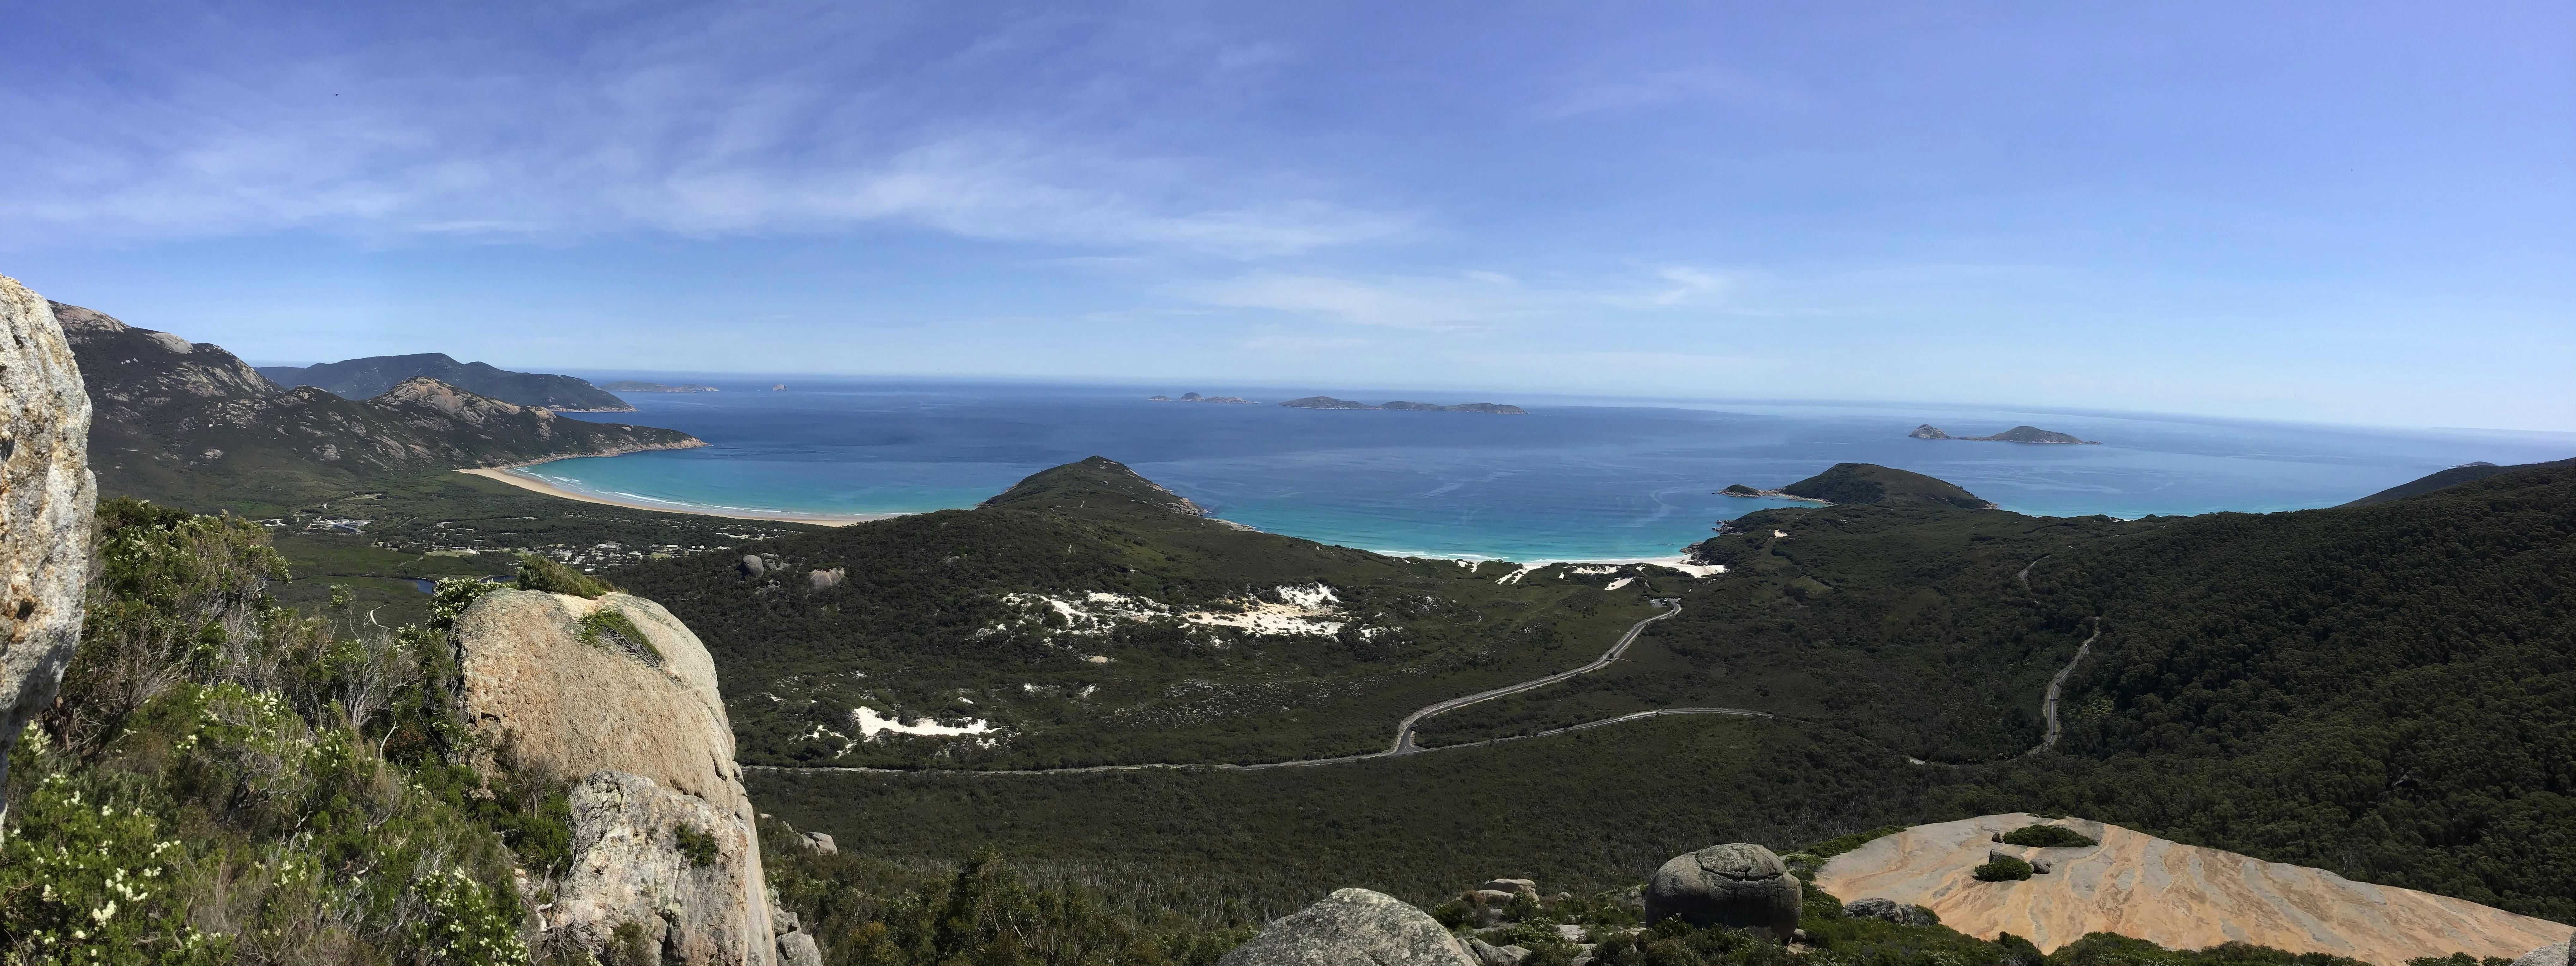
(2349, 212)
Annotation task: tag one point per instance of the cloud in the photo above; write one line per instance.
(1470, 301)
(1639, 91)
(777, 120)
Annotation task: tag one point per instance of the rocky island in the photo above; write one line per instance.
(2017, 434)
(1195, 397)
(1328, 402)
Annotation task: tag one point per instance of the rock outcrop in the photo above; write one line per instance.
(1738, 884)
(47, 500)
(2177, 896)
(663, 835)
(2554, 954)
(1353, 926)
(1891, 911)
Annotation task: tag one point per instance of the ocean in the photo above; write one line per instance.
(1575, 480)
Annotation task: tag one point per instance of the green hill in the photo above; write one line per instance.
(376, 375)
(1087, 616)
(1871, 483)
(2451, 477)
(189, 421)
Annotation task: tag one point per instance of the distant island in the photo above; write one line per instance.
(630, 385)
(2017, 434)
(1328, 402)
(1195, 397)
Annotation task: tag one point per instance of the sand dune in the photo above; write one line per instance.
(2178, 896)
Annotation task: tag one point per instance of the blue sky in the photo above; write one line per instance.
(2345, 212)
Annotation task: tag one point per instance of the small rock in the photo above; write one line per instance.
(1488, 954)
(822, 843)
(1569, 933)
(798, 949)
(1354, 926)
(1889, 910)
(751, 565)
(1525, 887)
(2549, 955)
(1739, 884)
(1491, 897)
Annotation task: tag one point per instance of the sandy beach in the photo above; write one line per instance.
(504, 475)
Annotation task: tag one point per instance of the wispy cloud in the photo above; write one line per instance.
(1645, 90)
(1470, 301)
(643, 128)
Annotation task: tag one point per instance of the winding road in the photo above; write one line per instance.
(2048, 708)
(1403, 744)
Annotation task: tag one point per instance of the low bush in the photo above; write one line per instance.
(2003, 868)
(2047, 837)
(539, 573)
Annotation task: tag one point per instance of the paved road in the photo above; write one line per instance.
(2048, 708)
(1403, 730)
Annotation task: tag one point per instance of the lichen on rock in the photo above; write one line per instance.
(47, 501)
(1353, 926)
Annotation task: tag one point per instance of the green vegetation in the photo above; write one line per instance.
(606, 627)
(539, 573)
(694, 844)
(1871, 483)
(995, 615)
(2382, 691)
(226, 780)
(2003, 868)
(2047, 837)
(2451, 477)
(868, 912)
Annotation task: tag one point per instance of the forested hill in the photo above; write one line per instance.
(1871, 483)
(1087, 616)
(376, 375)
(191, 422)
(2451, 477)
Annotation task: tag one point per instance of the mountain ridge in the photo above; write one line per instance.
(372, 376)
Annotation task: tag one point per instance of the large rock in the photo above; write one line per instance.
(670, 863)
(1738, 884)
(2554, 954)
(641, 724)
(47, 500)
(2176, 896)
(1353, 926)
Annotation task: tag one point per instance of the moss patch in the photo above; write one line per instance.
(606, 627)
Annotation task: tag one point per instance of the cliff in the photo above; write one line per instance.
(619, 696)
(47, 498)
(2177, 896)
(173, 415)
(373, 376)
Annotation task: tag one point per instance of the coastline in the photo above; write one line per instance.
(533, 485)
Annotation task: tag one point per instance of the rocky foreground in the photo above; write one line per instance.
(2177, 896)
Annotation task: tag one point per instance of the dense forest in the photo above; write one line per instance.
(2382, 691)
(1003, 615)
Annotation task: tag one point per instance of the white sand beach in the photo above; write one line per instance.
(534, 485)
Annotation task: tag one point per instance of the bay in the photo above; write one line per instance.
(1576, 479)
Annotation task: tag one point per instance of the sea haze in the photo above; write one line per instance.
(1571, 481)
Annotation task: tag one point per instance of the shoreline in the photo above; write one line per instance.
(502, 474)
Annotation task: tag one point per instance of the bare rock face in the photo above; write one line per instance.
(2554, 954)
(47, 501)
(2174, 895)
(643, 725)
(1739, 884)
(1353, 926)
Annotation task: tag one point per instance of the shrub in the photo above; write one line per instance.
(2047, 837)
(2003, 868)
(698, 845)
(606, 627)
(539, 573)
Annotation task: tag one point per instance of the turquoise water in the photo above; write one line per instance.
(1574, 480)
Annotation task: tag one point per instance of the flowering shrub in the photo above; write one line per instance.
(94, 887)
(467, 923)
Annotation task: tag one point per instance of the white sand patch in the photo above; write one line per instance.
(1779, 533)
(1303, 609)
(1621, 582)
(1596, 570)
(1515, 576)
(871, 724)
(1098, 659)
(817, 733)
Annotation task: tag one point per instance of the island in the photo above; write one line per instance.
(1195, 397)
(1328, 402)
(2017, 434)
(631, 385)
